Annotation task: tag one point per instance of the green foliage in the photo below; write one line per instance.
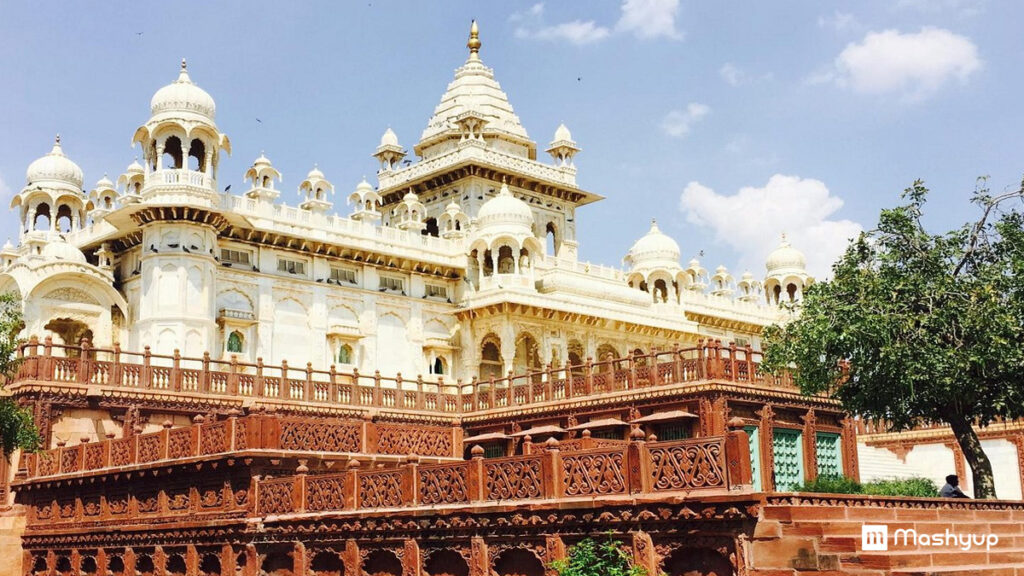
(919, 487)
(16, 427)
(914, 487)
(590, 558)
(928, 325)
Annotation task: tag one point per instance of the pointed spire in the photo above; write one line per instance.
(57, 149)
(474, 41)
(183, 75)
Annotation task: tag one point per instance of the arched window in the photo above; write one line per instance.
(42, 220)
(172, 153)
(490, 361)
(431, 228)
(345, 354)
(197, 156)
(552, 238)
(438, 367)
(791, 291)
(235, 343)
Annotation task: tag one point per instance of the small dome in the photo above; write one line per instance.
(389, 138)
(104, 183)
(654, 245)
(55, 167)
(7, 246)
(453, 207)
(785, 257)
(747, 277)
(135, 168)
(505, 209)
(364, 186)
(61, 250)
(562, 133)
(261, 161)
(315, 174)
(183, 96)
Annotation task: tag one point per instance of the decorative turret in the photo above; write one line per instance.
(721, 283)
(390, 153)
(408, 215)
(474, 111)
(262, 175)
(52, 200)
(366, 201)
(787, 275)
(315, 189)
(102, 199)
(750, 289)
(653, 264)
(503, 240)
(563, 148)
(696, 276)
(453, 223)
(180, 142)
(131, 182)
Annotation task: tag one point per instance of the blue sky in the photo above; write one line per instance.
(728, 121)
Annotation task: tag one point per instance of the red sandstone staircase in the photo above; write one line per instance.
(812, 535)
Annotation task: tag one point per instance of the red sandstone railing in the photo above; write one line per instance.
(113, 367)
(716, 462)
(256, 432)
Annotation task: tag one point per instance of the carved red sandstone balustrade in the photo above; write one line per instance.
(717, 462)
(113, 367)
(257, 432)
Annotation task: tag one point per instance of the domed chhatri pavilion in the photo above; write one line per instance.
(432, 383)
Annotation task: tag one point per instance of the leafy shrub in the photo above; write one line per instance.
(590, 558)
(912, 487)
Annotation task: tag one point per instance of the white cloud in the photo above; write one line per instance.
(751, 220)
(650, 18)
(839, 21)
(960, 7)
(677, 123)
(577, 32)
(914, 65)
(732, 75)
(644, 19)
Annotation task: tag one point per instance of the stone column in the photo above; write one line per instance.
(644, 554)
(479, 562)
(351, 559)
(299, 560)
(411, 561)
(252, 561)
(810, 434)
(556, 551)
(227, 560)
(766, 429)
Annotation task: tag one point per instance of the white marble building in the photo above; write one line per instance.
(461, 262)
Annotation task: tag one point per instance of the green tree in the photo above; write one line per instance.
(16, 427)
(916, 327)
(590, 558)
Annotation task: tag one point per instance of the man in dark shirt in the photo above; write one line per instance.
(952, 488)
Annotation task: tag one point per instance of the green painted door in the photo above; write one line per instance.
(830, 457)
(787, 446)
(755, 455)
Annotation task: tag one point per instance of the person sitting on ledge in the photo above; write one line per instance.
(952, 488)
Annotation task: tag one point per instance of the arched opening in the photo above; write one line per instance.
(209, 565)
(63, 565)
(327, 563)
(791, 292)
(697, 562)
(107, 202)
(144, 566)
(431, 228)
(267, 182)
(446, 563)
(235, 342)
(641, 360)
(197, 156)
(527, 357)
(39, 566)
(175, 566)
(518, 562)
(490, 360)
(277, 562)
(438, 366)
(660, 291)
(776, 294)
(605, 353)
(576, 358)
(89, 566)
(382, 563)
(506, 263)
(115, 566)
(524, 260)
(69, 332)
(172, 153)
(345, 354)
(488, 263)
(64, 218)
(42, 219)
(551, 235)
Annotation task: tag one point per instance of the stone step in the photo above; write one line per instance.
(850, 543)
(936, 558)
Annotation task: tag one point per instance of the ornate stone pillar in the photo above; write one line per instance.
(479, 563)
(191, 561)
(411, 561)
(766, 430)
(159, 562)
(351, 559)
(102, 562)
(299, 561)
(227, 560)
(810, 435)
(252, 561)
(76, 562)
(644, 554)
(556, 551)
(851, 465)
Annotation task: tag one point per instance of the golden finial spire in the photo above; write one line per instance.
(474, 40)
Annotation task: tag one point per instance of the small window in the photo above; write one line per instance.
(434, 291)
(674, 431)
(392, 284)
(235, 342)
(494, 450)
(345, 354)
(438, 366)
(235, 256)
(340, 275)
(607, 434)
(291, 266)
